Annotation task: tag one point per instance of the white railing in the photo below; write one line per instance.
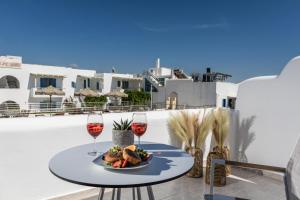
(153, 79)
(40, 109)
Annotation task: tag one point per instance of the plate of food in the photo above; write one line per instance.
(130, 157)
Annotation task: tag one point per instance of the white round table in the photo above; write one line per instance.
(76, 166)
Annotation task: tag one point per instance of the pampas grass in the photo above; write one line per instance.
(191, 128)
(220, 126)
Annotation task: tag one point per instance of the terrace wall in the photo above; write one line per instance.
(27, 145)
(269, 110)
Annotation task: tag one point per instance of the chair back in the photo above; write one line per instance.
(292, 178)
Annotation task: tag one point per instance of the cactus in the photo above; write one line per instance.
(123, 125)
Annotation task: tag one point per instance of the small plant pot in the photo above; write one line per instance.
(122, 138)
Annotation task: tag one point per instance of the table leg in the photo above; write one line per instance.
(119, 194)
(113, 194)
(133, 193)
(139, 197)
(101, 194)
(150, 193)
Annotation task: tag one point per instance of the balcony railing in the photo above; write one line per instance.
(40, 109)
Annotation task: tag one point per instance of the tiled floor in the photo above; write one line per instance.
(242, 184)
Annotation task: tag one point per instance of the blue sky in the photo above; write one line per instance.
(242, 38)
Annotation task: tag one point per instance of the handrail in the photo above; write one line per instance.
(13, 110)
(153, 78)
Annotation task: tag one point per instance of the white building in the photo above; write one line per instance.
(19, 81)
(172, 87)
(116, 81)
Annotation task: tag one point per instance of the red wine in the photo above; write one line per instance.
(94, 129)
(139, 128)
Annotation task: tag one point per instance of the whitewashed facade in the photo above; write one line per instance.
(172, 87)
(19, 81)
(116, 81)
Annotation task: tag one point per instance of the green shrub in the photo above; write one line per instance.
(136, 97)
(95, 101)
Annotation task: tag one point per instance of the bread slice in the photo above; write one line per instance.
(131, 156)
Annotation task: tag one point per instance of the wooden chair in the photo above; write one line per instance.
(291, 176)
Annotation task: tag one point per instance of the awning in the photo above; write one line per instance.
(128, 78)
(48, 75)
(116, 94)
(50, 90)
(87, 92)
(90, 77)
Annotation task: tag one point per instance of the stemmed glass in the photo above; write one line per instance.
(94, 127)
(139, 125)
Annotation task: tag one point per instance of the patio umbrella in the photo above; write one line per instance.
(50, 90)
(116, 94)
(87, 93)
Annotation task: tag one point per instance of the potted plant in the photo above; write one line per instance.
(122, 134)
(220, 129)
(191, 129)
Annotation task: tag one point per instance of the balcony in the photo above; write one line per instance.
(33, 93)
(59, 133)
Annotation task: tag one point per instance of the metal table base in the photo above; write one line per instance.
(136, 192)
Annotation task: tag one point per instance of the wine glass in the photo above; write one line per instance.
(139, 125)
(94, 127)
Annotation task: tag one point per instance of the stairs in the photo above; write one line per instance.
(152, 79)
(180, 74)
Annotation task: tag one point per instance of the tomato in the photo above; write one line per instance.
(117, 164)
(124, 164)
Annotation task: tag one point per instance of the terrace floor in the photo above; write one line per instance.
(243, 183)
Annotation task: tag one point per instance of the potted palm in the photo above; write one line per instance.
(191, 129)
(220, 129)
(122, 134)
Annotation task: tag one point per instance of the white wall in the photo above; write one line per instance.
(269, 108)
(107, 82)
(19, 95)
(161, 72)
(26, 149)
(192, 93)
(189, 92)
(225, 90)
(22, 95)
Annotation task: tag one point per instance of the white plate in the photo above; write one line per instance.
(101, 162)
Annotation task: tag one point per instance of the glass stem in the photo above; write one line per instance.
(95, 145)
(139, 142)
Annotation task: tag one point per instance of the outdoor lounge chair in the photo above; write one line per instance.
(291, 175)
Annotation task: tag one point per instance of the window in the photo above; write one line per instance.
(224, 103)
(45, 82)
(119, 83)
(73, 84)
(125, 84)
(98, 86)
(231, 102)
(89, 83)
(9, 82)
(84, 83)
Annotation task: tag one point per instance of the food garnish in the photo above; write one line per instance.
(122, 158)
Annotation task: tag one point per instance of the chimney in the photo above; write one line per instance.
(158, 63)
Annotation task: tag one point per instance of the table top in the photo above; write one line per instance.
(76, 166)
